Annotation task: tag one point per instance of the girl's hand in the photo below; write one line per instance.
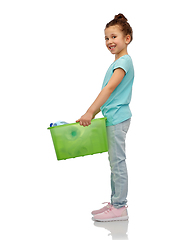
(85, 120)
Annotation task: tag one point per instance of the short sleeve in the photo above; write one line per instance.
(123, 62)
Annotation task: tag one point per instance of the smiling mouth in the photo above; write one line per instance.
(111, 47)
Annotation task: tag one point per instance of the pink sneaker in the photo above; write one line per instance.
(112, 214)
(102, 209)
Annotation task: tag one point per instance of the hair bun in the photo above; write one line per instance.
(120, 16)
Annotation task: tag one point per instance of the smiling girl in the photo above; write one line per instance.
(113, 101)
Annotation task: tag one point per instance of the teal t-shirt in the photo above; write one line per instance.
(116, 108)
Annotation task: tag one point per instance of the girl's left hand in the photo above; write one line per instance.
(85, 120)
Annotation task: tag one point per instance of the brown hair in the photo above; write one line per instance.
(121, 21)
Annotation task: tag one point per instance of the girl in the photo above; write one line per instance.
(114, 101)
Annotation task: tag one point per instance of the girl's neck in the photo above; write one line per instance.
(120, 54)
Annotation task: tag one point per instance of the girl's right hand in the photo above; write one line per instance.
(85, 120)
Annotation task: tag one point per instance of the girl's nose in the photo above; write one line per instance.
(110, 41)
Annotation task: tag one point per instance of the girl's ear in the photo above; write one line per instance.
(127, 39)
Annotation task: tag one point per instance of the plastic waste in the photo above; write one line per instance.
(58, 123)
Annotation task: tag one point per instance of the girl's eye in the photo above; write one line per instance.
(108, 38)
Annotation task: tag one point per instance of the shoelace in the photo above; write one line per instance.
(110, 209)
(106, 202)
(109, 204)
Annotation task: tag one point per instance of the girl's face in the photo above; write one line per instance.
(116, 42)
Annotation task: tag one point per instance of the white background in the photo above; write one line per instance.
(53, 60)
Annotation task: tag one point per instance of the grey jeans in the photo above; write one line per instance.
(116, 135)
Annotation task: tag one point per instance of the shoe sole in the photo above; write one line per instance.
(112, 219)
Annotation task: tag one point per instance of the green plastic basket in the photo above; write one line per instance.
(73, 140)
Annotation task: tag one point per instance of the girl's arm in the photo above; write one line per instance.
(99, 110)
(103, 96)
